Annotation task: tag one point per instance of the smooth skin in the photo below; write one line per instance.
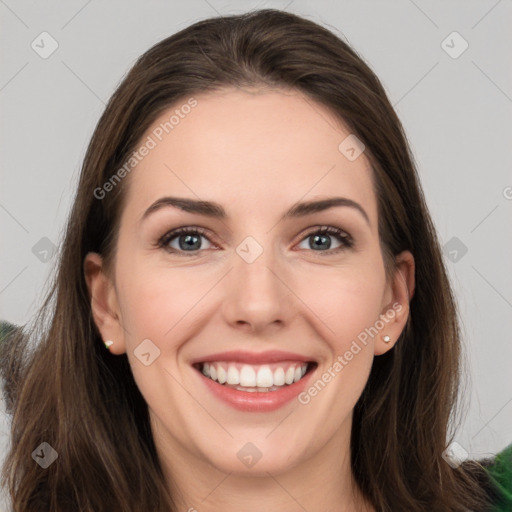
(256, 152)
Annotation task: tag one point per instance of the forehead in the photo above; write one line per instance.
(248, 148)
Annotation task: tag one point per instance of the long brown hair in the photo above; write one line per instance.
(70, 392)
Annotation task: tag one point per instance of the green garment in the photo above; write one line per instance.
(500, 472)
(499, 469)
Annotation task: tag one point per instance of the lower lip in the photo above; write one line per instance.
(256, 401)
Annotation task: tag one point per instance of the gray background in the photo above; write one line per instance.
(456, 112)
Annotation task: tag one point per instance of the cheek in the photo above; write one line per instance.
(154, 298)
(152, 302)
(347, 301)
(146, 308)
(347, 304)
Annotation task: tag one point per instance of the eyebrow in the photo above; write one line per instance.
(215, 210)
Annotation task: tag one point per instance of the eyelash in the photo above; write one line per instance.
(345, 239)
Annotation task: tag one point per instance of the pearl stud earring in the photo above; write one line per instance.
(108, 344)
(386, 338)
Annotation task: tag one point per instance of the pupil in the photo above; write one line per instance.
(319, 237)
(189, 242)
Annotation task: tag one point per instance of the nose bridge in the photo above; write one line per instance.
(255, 259)
(257, 294)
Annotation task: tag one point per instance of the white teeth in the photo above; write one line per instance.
(290, 374)
(264, 379)
(254, 378)
(247, 376)
(222, 376)
(233, 376)
(279, 377)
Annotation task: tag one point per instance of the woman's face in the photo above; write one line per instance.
(258, 294)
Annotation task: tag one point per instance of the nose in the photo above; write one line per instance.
(258, 294)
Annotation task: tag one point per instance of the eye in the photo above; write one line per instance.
(320, 239)
(187, 239)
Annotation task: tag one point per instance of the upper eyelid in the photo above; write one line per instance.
(173, 233)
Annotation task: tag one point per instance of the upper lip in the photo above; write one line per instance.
(241, 356)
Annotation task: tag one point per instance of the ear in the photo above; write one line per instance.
(396, 308)
(104, 304)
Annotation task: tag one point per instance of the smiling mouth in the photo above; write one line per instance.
(260, 378)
